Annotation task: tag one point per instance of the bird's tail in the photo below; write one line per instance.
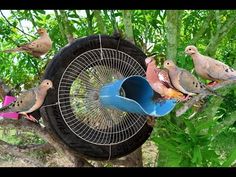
(232, 78)
(210, 90)
(18, 49)
(7, 108)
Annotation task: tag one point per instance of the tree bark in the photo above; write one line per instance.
(62, 31)
(49, 136)
(67, 26)
(100, 22)
(90, 22)
(220, 34)
(172, 25)
(127, 19)
(13, 150)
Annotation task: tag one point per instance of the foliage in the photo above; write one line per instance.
(207, 138)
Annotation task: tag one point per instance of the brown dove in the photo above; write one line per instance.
(38, 47)
(160, 82)
(184, 81)
(29, 100)
(210, 68)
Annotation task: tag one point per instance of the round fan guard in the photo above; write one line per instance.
(78, 72)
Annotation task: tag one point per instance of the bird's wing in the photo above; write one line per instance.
(189, 82)
(219, 70)
(25, 101)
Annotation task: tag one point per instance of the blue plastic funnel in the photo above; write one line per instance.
(134, 94)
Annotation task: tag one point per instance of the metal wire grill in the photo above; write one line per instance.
(78, 96)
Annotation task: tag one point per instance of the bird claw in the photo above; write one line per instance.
(31, 118)
(186, 98)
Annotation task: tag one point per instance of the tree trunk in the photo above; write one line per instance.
(90, 22)
(172, 26)
(100, 23)
(62, 31)
(67, 27)
(127, 19)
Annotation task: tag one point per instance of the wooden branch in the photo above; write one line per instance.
(16, 26)
(35, 147)
(220, 34)
(203, 28)
(200, 96)
(14, 151)
(218, 21)
(49, 136)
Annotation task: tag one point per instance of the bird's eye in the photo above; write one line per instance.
(189, 49)
(47, 83)
(167, 63)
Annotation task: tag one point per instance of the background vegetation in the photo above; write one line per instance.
(201, 137)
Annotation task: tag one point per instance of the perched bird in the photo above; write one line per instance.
(160, 82)
(30, 100)
(210, 68)
(38, 47)
(184, 81)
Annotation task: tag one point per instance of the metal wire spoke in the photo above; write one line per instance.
(78, 96)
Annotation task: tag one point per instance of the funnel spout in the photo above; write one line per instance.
(133, 94)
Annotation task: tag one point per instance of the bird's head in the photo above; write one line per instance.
(41, 31)
(47, 84)
(169, 64)
(190, 50)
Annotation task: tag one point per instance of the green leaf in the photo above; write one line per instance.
(231, 159)
(41, 11)
(197, 156)
(48, 17)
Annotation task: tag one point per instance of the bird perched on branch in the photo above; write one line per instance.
(210, 68)
(184, 81)
(29, 101)
(38, 47)
(160, 81)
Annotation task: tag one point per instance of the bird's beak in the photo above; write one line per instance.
(148, 60)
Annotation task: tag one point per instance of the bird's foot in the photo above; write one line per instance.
(212, 84)
(31, 118)
(187, 98)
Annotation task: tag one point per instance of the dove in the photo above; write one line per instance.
(29, 100)
(38, 47)
(184, 81)
(210, 68)
(160, 82)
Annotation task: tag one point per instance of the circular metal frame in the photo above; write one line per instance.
(78, 96)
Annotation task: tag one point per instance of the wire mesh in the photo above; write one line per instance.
(78, 96)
